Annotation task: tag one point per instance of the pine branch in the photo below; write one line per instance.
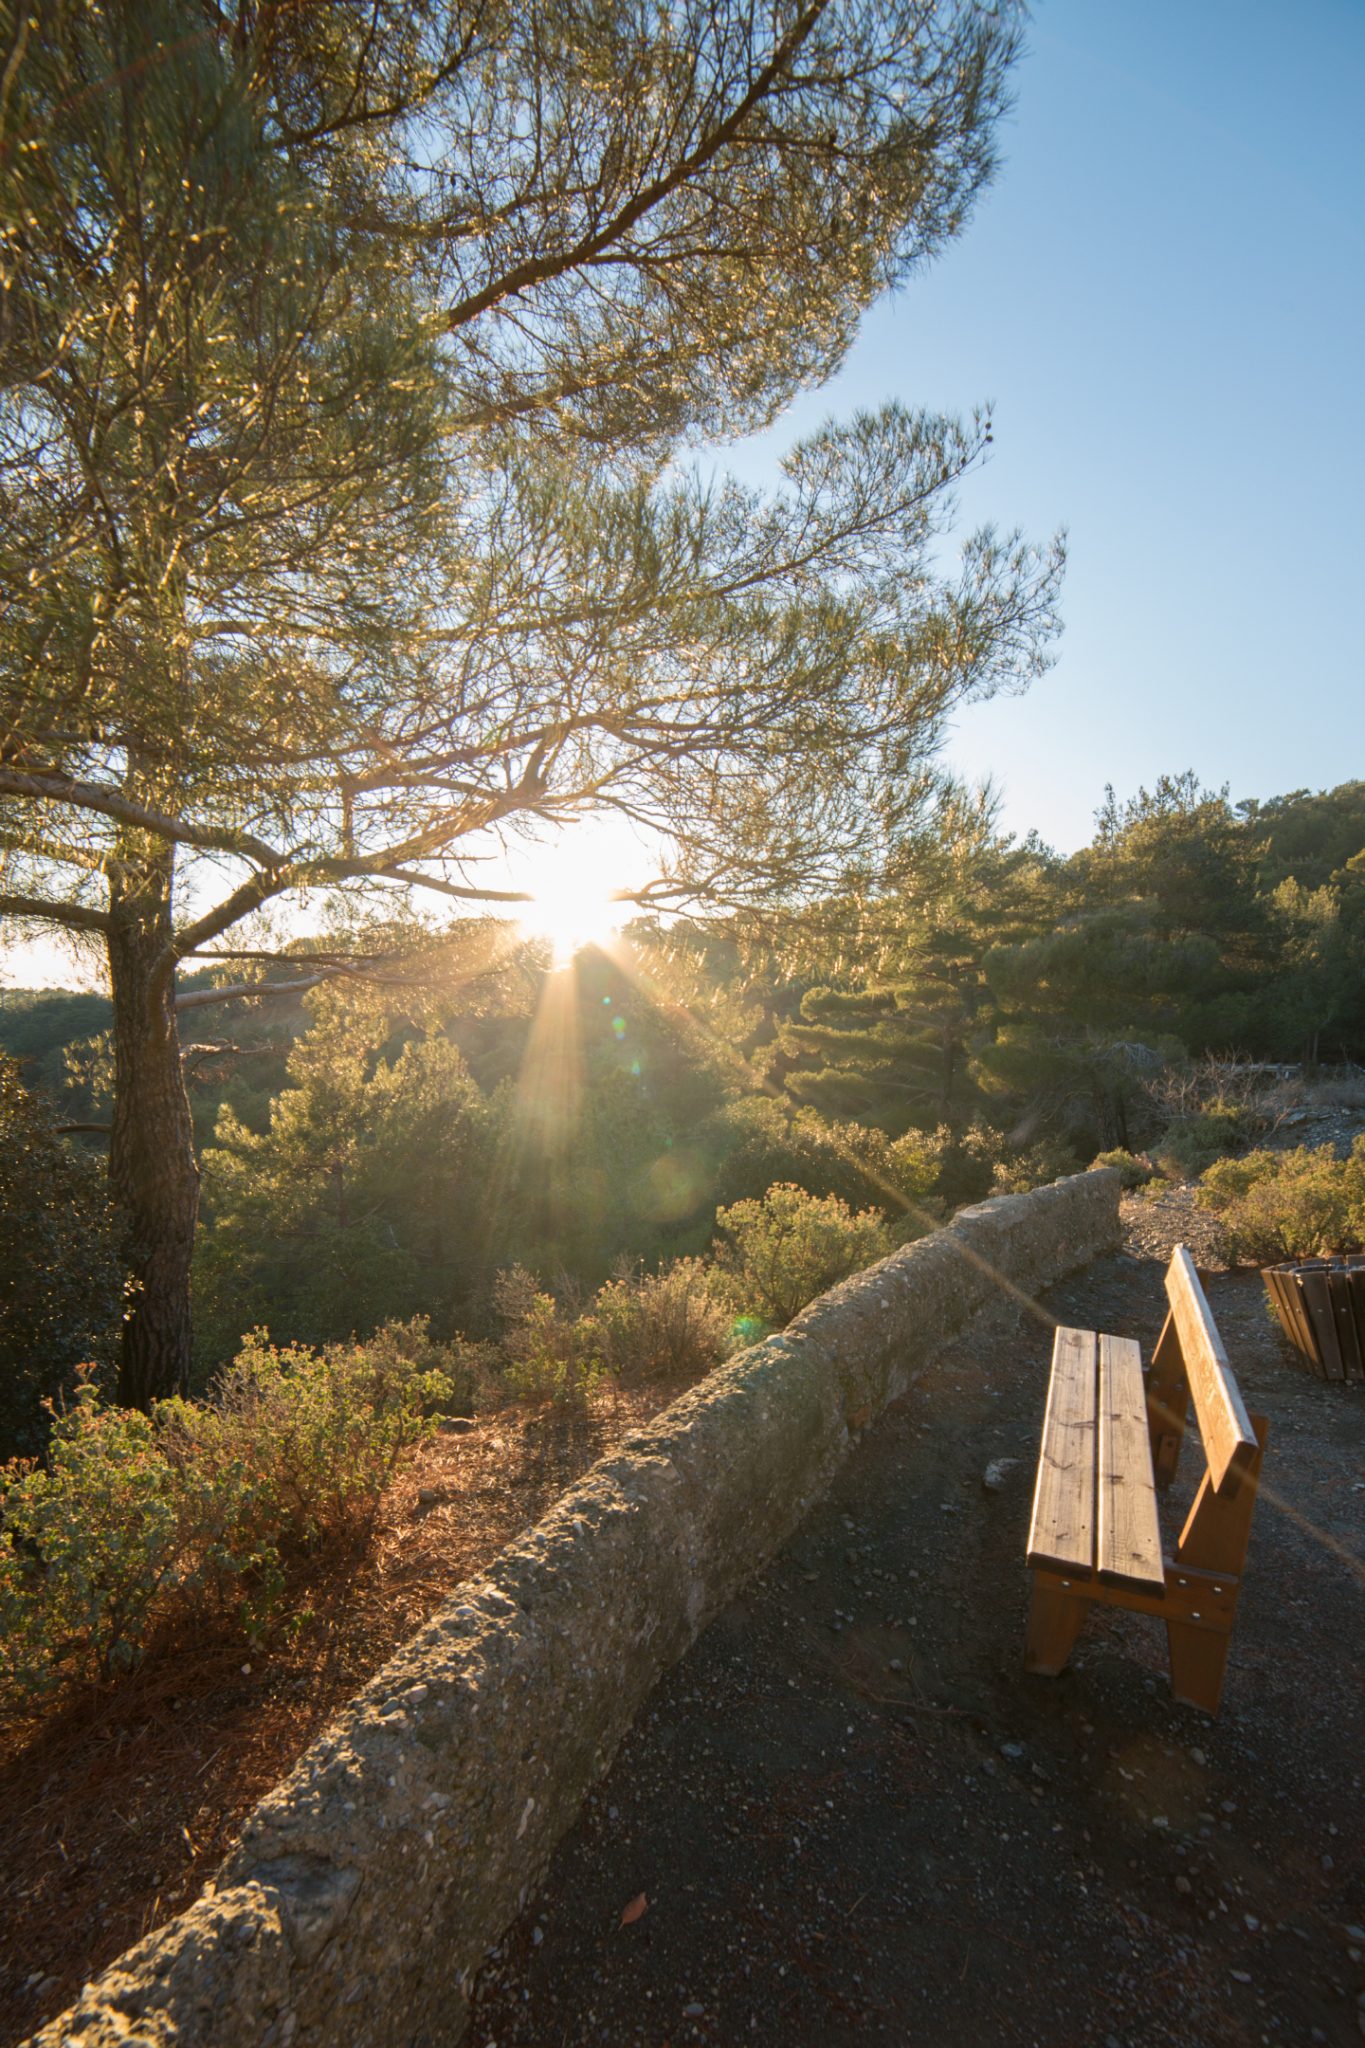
(75, 916)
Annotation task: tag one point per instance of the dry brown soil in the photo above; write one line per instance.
(853, 1817)
(849, 1811)
(114, 1813)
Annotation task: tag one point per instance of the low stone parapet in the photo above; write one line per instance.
(368, 1886)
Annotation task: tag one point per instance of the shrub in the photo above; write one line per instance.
(777, 1254)
(317, 1435)
(546, 1351)
(60, 1282)
(1218, 1131)
(658, 1325)
(1134, 1170)
(136, 1520)
(92, 1541)
(970, 1160)
(758, 1143)
(1034, 1167)
(1289, 1205)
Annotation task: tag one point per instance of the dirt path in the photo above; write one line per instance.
(853, 1816)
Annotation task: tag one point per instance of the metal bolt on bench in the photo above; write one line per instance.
(1109, 1441)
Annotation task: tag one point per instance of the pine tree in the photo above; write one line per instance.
(344, 350)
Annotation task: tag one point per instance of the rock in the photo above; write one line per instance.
(1183, 1886)
(996, 1473)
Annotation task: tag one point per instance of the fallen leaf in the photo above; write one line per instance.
(638, 1906)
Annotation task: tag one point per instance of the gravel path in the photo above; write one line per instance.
(1153, 1223)
(848, 1815)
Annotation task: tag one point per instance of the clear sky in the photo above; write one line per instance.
(1164, 296)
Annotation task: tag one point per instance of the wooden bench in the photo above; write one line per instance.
(1112, 1436)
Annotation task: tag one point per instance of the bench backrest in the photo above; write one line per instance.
(1229, 1441)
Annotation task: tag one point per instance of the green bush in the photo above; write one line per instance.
(758, 1143)
(658, 1325)
(545, 1349)
(1217, 1131)
(778, 1253)
(1289, 1205)
(317, 1434)
(61, 1286)
(1034, 1167)
(1134, 1169)
(92, 1540)
(971, 1159)
(136, 1521)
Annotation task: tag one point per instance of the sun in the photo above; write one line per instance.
(571, 918)
(577, 887)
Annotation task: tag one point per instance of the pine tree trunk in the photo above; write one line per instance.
(152, 1170)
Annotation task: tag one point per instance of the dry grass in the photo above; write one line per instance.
(1341, 1088)
(116, 1810)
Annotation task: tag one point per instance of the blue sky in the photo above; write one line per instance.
(1164, 296)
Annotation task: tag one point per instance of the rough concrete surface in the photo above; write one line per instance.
(848, 1817)
(367, 1888)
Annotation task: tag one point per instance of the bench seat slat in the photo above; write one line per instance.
(1062, 1531)
(1129, 1534)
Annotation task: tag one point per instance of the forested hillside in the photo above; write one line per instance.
(384, 1146)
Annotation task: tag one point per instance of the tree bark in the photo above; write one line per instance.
(153, 1174)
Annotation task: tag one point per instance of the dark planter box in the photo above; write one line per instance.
(1321, 1304)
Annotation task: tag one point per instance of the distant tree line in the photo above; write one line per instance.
(383, 1148)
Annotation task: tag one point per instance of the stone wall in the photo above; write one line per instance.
(368, 1886)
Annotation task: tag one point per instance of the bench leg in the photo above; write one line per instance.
(1214, 1539)
(1198, 1660)
(1054, 1621)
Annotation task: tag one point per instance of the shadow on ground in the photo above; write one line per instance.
(853, 1817)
